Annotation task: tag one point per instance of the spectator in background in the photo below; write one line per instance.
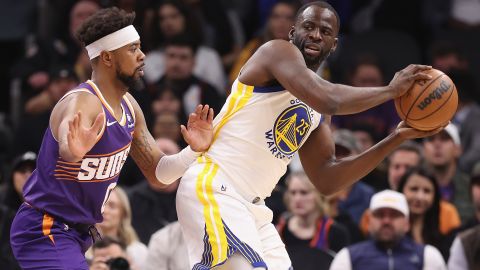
(465, 245)
(166, 101)
(110, 253)
(306, 227)
(465, 250)
(430, 218)
(82, 67)
(179, 52)
(117, 224)
(465, 15)
(22, 168)
(166, 126)
(466, 118)
(29, 134)
(446, 56)
(44, 55)
(173, 18)
(167, 249)
(368, 72)
(367, 137)
(217, 29)
(389, 246)
(307, 222)
(406, 156)
(441, 152)
(354, 199)
(154, 208)
(17, 21)
(344, 218)
(475, 196)
(63, 79)
(279, 22)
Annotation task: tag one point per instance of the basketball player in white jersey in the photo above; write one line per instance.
(278, 106)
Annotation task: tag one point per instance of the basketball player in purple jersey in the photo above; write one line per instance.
(92, 130)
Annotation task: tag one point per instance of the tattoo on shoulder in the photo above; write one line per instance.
(141, 151)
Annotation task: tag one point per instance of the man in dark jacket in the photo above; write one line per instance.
(388, 247)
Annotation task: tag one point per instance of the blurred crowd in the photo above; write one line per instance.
(194, 51)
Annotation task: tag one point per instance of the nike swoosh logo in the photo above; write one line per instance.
(110, 123)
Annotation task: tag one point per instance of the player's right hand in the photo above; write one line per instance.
(404, 79)
(199, 130)
(408, 133)
(81, 139)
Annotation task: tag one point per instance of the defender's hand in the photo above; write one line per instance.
(408, 133)
(404, 79)
(81, 139)
(199, 131)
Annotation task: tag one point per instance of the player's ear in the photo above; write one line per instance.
(290, 33)
(106, 58)
(334, 47)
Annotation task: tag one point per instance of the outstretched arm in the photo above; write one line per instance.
(160, 169)
(77, 125)
(330, 175)
(282, 61)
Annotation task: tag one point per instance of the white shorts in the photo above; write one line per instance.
(217, 221)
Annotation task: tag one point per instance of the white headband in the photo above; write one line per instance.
(113, 41)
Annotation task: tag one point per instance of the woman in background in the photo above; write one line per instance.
(430, 217)
(306, 222)
(117, 224)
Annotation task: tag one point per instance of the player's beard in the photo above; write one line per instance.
(311, 61)
(130, 81)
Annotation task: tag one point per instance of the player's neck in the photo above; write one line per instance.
(314, 68)
(111, 89)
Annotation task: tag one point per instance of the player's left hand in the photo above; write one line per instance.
(199, 131)
(407, 133)
(404, 79)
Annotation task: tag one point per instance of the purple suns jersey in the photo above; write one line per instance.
(77, 191)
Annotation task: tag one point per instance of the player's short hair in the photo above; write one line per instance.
(321, 4)
(102, 23)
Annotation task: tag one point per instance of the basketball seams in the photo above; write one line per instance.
(398, 105)
(439, 107)
(420, 94)
(414, 110)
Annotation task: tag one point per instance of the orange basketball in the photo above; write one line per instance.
(429, 104)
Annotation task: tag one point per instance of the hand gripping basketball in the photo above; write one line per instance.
(430, 103)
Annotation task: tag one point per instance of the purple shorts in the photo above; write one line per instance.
(41, 242)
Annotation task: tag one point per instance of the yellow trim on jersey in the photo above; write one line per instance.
(123, 120)
(130, 106)
(211, 212)
(105, 103)
(237, 101)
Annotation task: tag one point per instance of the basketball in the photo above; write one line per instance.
(429, 104)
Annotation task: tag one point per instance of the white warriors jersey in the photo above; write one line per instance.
(256, 134)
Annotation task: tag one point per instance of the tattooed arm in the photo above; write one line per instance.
(144, 150)
(159, 169)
